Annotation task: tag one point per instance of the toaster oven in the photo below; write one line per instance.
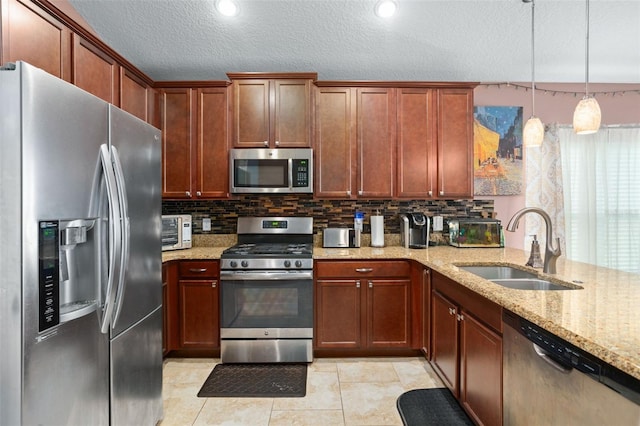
(176, 231)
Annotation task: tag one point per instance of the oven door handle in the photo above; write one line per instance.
(264, 275)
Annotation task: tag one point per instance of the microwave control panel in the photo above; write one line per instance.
(300, 173)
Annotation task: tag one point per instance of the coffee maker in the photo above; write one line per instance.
(414, 230)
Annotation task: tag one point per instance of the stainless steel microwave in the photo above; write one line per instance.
(176, 231)
(263, 170)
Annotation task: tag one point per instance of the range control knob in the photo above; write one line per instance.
(233, 264)
(298, 263)
(287, 263)
(244, 263)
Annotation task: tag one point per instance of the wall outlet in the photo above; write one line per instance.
(437, 223)
(206, 224)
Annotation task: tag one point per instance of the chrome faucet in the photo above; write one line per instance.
(550, 254)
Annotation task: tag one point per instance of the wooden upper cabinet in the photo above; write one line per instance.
(271, 110)
(455, 143)
(30, 34)
(95, 71)
(212, 168)
(335, 143)
(416, 148)
(177, 131)
(134, 95)
(376, 139)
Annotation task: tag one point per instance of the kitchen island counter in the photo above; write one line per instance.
(602, 318)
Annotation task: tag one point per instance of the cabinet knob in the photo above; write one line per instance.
(188, 193)
(358, 284)
(360, 192)
(199, 194)
(370, 284)
(441, 192)
(348, 193)
(265, 143)
(430, 193)
(277, 143)
(452, 311)
(460, 317)
(214, 284)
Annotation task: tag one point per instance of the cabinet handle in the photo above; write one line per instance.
(199, 194)
(430, 193)
(277, 143)
(452, 311)
(198, 270)
(188, 193)
(441, 192)
(349, 193)
(370, 284)
(460, 317)
(364, 270)
(358, 284)
(214, 284)
(360, 192)
(266, 143)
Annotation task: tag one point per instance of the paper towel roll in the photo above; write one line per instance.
(377, 231)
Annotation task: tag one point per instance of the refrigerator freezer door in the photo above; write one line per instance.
(136, 374)
(63, 371)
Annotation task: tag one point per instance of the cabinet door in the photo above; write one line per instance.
(444, 341)
(177, 130)
(426, 312)
(291, 125)
(335, 143)
(95, 71)
(338, 314)
(480, 371)
(416, 147)
(133, 95)
(32, 35)
(455, 143)
(251, 102)
(388, 313)
(199, 322)
(212, 179)
(376, 136)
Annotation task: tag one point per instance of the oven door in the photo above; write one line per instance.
(266, 304)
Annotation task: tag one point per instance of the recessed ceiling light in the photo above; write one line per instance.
(386, 8)
(227, 7)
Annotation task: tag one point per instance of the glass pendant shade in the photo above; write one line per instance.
(533, 132)
(586, 117)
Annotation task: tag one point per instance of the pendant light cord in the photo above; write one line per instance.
(586, 55)
(533, 61)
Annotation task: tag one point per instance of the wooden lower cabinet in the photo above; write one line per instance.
(363, 305)
(466, 343)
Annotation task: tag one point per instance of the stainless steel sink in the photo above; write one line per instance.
(491, 272)
(514, 278)
(530, 284)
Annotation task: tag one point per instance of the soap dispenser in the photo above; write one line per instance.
(535, 260)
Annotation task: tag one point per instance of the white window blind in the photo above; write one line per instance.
(601, 179)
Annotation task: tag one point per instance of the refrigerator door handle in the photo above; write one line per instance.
(115, 233)
(126, 232)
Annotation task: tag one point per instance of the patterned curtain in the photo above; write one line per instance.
(544, 189)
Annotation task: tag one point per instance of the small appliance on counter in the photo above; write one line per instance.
(340, 237)
(475, 233)
(176, 231)
(414, 230)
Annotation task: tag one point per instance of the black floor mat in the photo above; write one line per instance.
(421, 407)
(256, 380)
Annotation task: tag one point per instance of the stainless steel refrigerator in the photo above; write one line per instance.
(80, 257)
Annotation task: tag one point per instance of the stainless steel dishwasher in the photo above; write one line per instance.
(548, 381)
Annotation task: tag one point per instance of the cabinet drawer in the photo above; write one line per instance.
(198, 269)
(340, 269)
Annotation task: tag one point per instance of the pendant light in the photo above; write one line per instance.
(586, 117)
(533, 131)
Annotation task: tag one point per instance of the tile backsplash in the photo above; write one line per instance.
(325, 213)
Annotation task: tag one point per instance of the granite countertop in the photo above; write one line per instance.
(602, 318)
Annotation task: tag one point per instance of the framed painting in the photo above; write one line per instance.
(497, 150)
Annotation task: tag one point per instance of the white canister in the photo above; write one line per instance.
(377, 231)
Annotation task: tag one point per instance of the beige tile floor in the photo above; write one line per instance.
(353, 391)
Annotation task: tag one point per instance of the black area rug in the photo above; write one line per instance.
(421, 407)
(256, 380)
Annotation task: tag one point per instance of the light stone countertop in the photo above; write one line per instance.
(602, 318)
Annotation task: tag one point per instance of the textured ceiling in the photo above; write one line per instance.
(446, 40)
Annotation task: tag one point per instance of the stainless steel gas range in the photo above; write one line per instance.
(266, 287)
